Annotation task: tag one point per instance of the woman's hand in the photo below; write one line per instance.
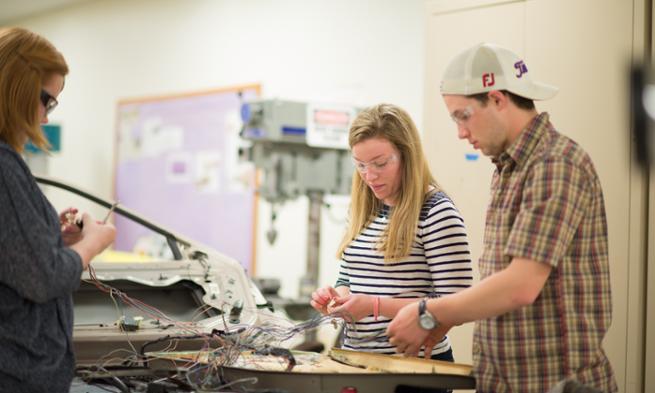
(352, 308)
(96, 236)
(321, 299)
(71, 232)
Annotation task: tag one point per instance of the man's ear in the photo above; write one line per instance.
(499, 99)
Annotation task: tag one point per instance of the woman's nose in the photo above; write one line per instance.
(370, 175)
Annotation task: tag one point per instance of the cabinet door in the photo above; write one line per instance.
(584, 47)
(462, 172)
(649, 377)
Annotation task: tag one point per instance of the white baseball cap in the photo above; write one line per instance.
(487, 67)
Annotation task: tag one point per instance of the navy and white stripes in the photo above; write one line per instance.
(439, 263)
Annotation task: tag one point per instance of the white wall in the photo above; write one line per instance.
(357, 52)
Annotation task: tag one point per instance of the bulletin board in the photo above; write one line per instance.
(177, 164)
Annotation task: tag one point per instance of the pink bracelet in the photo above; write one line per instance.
(376, 308)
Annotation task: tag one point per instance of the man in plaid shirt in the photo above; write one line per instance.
(543, 304)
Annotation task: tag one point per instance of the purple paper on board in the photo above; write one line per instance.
(160, 187)
(178, 167)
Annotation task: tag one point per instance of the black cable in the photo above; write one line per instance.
(115, 382)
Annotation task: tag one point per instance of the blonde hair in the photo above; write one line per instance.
(27, 60)
(396, 126)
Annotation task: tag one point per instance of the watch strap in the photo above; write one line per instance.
(422, 305)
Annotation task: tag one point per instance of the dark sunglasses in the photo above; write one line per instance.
(48, 101)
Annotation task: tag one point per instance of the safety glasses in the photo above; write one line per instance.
(49, 102)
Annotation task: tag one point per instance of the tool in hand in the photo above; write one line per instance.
(80, 223)
(111, 210)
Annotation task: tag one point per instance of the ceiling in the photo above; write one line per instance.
(12, 10)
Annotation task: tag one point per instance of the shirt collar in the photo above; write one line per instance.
(519, 151)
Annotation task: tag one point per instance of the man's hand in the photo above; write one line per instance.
(408, 336)
(434, 337)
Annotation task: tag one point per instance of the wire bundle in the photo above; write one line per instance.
(220, 347)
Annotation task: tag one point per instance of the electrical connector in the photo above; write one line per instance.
(129, 324)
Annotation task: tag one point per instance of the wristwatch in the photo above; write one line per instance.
(425, 319)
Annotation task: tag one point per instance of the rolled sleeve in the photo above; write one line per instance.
(555, 198)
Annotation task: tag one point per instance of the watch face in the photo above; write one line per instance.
(427, 321)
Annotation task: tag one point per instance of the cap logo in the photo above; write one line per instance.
(521, 68)
(488, 79)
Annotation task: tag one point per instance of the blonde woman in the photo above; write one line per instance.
(41, 255)
(405, 240)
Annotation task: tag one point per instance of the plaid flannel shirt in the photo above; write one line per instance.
(547, 205)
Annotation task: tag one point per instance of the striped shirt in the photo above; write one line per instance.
(439, 263)
(547, 205)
